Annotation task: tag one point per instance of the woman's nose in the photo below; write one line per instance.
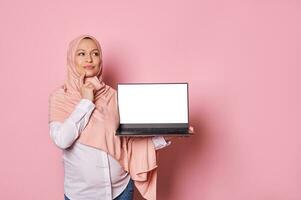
(89, 58)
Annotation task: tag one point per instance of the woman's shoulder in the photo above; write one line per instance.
(111, 93)
(113, 90)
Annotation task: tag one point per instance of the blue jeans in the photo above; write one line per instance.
(127, 194)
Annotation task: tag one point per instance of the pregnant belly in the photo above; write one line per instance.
(117, 173)
(92, 167)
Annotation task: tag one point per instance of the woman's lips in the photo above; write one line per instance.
(89, 67)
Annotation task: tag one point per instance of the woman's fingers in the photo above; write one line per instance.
(191, 129)
(82, 79)
(89, 85)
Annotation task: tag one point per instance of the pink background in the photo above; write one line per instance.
(241, 59)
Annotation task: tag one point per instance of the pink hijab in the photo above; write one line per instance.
(136, 155)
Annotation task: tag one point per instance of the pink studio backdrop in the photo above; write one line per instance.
(242, 62)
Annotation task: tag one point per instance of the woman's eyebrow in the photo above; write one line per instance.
(84, 50)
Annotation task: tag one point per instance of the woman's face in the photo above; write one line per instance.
(87, 58)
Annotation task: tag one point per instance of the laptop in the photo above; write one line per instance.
(153, 109)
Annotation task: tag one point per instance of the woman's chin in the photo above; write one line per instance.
(90, 74)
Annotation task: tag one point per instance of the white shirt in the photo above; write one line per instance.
(89, 173)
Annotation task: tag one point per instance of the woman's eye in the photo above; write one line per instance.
(83, 54)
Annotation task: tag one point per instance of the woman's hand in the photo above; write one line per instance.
(191, 130)
(86, 89)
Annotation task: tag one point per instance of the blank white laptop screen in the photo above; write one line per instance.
(153, 103)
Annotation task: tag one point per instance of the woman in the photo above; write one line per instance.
(83, 118)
